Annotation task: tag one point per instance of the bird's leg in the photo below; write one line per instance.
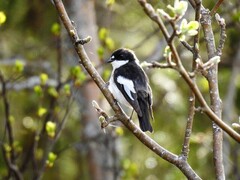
(131, 114)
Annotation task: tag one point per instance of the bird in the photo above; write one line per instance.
(129, 85)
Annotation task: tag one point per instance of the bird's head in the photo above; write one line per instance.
(121, 56)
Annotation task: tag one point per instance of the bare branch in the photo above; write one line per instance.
(223, 35)
(153, 15)
(85, 61)
(216, 103)
(188, 131)
(215, 8)
(9, 156)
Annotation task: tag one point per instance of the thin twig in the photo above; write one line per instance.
(188, 131)
(10, 161)
(216, 6)
(223, 35)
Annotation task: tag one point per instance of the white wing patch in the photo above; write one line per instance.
(128, 86)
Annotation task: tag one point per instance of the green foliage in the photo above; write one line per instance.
(67, 89)
(119, 131)
(53, 92)
(41, 111)
(51, 159)
(55, 29)
(176, 12)
(188, 29)
(38, 90)
(131, 170)
(43, 78)
(110, 2)
(51, 129)
(19, 66)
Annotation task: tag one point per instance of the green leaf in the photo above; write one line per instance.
(3, 17)
(178, 10)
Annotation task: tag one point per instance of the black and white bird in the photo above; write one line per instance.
(129, 85)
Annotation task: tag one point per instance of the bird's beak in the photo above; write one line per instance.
(109, 60)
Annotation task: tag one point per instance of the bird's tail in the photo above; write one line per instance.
(144, 120)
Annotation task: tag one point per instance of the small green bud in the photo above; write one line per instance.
(7, 147)
(102, 34)
(3, 17)
(101, 119)
(109, 43)
(167, 52)
(55, 29)
(41, 111)
(19, 66)
(51, 159)
(119, 131)
(11, 119)
(67, 89)
(51, 128)
(110, 2)
(43, 78)
(38, 90)
(52, 92)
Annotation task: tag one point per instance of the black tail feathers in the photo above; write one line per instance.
(144, 120)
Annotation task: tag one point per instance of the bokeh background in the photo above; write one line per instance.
(45, 83)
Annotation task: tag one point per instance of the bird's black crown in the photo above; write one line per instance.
(123, 55)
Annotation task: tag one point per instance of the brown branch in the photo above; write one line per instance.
(216, 103)
(153, 15)
(188, 131)
(192, 98)
(85, 61)
(223, 35)
(10, 161)
(216, 6)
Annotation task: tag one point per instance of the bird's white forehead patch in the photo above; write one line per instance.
(112, 57)
(128, 86)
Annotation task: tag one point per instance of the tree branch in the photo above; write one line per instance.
(9, 156)
(85, 61)
(154, 16)
(216, 103)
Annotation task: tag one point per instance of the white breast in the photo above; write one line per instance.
(116, 93)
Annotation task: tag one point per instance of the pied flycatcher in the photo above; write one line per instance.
(129, 85)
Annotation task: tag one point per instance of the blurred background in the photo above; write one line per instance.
(56, 131)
